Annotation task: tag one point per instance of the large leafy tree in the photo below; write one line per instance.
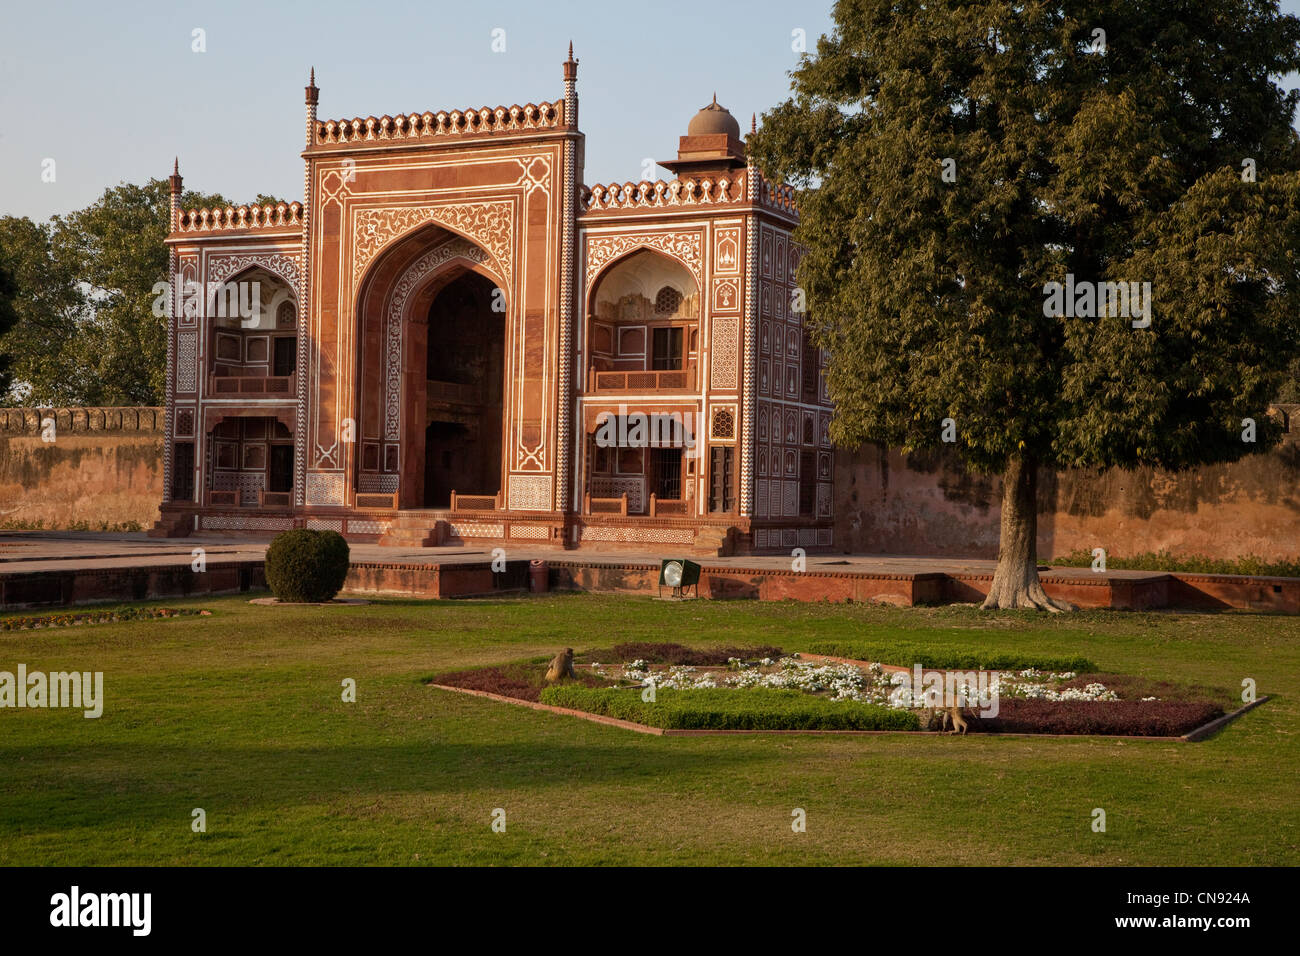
(8, 318)
(955, 158)
(86, 332)
(44, 349)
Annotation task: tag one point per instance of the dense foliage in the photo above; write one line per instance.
(86, 330)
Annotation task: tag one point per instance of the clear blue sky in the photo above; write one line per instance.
(111, 89)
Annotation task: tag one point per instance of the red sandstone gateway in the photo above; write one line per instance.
(422, 352)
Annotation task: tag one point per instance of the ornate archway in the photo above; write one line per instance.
(393, 385)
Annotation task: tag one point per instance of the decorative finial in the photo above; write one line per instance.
(312, 93)
(176, 166)
(570, 66)
(753, 122)
(715, 98)
(312, 81)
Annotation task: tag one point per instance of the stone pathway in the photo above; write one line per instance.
(29, 551)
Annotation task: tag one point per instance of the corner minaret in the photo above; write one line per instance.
(175, 184)
(312, 98)
(565, 498)
(175, 181)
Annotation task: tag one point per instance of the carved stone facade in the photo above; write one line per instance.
(467, 342)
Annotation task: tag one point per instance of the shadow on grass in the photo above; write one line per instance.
(121, 784)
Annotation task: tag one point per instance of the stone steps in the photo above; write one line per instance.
(414, 531)
(714, 542)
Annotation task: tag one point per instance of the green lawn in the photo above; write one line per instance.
(240, 714)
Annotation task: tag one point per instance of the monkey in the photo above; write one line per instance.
(958, 722)
(561, 665)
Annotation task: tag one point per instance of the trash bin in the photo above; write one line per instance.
(539, 574)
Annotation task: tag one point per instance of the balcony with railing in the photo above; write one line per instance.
(641, 380)
(245, 498)
(252, 386)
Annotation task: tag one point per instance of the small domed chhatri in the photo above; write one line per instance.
(712, 120)
(712, 146)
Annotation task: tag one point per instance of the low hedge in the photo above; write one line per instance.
(1138, 718)
(751, 709)
(905, 655)
(304, 566)
(668, 653)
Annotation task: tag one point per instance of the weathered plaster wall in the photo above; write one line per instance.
(927, 504)
(102, 470)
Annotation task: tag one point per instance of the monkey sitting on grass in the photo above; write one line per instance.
(561, 665)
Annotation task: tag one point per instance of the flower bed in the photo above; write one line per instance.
(730, 689)
(96, 617)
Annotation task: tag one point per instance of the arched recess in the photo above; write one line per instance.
(392, 385)
(643, 314)
(251, 329)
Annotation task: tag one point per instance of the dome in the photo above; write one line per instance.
(713, 119)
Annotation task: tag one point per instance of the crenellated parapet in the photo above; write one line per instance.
(661, 194)
(79, 421)
(425, 126)
(777, 196)
(280, 216)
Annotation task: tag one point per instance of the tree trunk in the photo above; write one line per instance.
(1015, 582)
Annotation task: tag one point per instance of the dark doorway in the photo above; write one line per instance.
(285, 359)
(183, 471)
(281, 473)
(465, 380)
(446, 466)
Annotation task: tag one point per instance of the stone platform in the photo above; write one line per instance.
(52, 569)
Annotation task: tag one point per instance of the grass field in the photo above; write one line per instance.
(240, 714)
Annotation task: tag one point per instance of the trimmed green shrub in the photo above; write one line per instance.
(722, 709)
(906, 655)
(306, 566)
